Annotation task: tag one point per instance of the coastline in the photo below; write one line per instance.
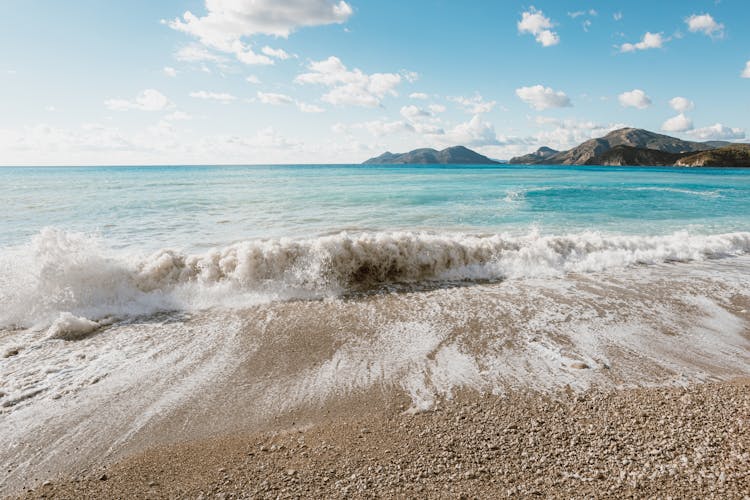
(639, 442)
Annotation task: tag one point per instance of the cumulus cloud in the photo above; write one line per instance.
(148, 100)
(706, 24)
(540, 97)
(169, 71)
(474, 132)
(746, 72)
(635, 98)
(349, 87)
(222, 97)
(436, 108)
(717, 132)
(309, 108)
(412, 112)
(679, 123)
(681, 104)
(197, 53)
(475, 105)
(253, 79)
(229, 23)
(283, 99)
(649, 41)
(277, 53)
(418, 95)
(276, 99)
(534, 22)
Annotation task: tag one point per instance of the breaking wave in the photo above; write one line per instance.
(63, 278)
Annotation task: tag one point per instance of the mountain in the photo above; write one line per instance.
(597, 151)
(456, 155)
(535, 157)
(620, 156)
(734, 155)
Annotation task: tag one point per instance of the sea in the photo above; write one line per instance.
(152, 304)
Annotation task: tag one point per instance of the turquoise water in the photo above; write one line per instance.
(195, 208)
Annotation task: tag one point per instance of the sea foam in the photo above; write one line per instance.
(63, 272)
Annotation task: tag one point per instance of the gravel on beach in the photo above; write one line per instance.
(689, 442)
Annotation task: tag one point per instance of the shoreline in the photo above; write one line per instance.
(621, 443)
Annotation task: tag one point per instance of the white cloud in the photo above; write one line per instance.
(418, 95)
(635, 98)
(276, 99)
(378, 128)
(649, 41)
(213, 96)
(277, 53)
(169, 71)
(617, 16)
(679, 123)
(475, 132)
(253, 79)
(413, 112)
(436, 108)
(540, 97)
(197, 53)
(579, 13)
(746, 72)
(706, 24)
(309, 108)
(535, 23)
(178, 116)
(717, 132)
(681, 104)
(349, 87)
(475, 105)
(228, 23)
(148, 100)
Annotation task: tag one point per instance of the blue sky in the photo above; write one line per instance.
(317, 81)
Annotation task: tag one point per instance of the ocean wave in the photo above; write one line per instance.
(517, 195)
(63, 273)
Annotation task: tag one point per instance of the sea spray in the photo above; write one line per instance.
(64, 272)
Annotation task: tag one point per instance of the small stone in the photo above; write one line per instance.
(46, 484)
(10, 352)
(579, 366)
(103, 477)
(153, 483)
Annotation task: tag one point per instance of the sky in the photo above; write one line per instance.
(338, 81)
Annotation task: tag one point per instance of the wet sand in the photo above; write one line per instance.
(637, 443)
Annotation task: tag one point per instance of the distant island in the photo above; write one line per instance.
(623, 147)
(457, 155)
(638, 147)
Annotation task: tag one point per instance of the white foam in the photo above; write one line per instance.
(62, 272)
(70, 327)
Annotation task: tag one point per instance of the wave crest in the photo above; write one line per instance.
(61, 272)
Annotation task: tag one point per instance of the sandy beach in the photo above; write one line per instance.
(689, 442)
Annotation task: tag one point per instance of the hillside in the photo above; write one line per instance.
(735, 155)
(597, 151)
(535, 157)
(620, 156)
(456, 155)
